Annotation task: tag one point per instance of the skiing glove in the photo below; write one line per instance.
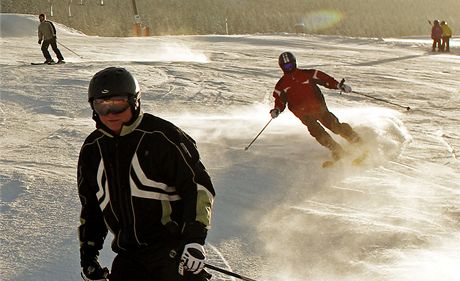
(274, 112)
(39, 41)
(345, 88)
(192, 259)
(92, 271)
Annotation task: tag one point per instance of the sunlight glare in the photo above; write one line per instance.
(321, 19)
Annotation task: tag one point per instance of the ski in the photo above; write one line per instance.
(42, 63)
(357, 161)
(328, 163)
(360, 159)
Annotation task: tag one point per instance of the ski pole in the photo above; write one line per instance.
(173, 253)
(221, 270)
(69, 49)
(369, 96)
(383, 100)
(247, 147)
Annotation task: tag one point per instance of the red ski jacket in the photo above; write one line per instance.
(436, 32)
(300, 92)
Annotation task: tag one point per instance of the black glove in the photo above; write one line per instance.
(344, 87)
(92, 271)
(39, 41)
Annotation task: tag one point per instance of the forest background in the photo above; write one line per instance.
(357, 18)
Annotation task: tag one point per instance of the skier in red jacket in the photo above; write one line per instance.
(436, 35)
(298, 89)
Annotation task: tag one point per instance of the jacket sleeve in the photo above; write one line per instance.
(280, 96)
(92, 230)
(52, 28)
(194, 185)
(325, 80)
(40, 34)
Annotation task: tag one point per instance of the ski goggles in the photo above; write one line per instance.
(114, 105)
(288, 66)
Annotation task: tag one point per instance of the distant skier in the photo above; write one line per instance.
(436, 35)
(47, 34)
(298, 89)
(446, 35)
(140, 177)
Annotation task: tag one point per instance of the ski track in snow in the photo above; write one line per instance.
(278, 215)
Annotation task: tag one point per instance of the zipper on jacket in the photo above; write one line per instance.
(123, 196)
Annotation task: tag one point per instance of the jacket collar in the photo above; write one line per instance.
(125, 130)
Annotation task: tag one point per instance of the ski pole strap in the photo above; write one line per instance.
(221, 270)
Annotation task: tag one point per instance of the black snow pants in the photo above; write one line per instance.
(46, 53)
(149, 265)
(330, 121)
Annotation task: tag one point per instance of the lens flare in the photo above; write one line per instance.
(321, 19)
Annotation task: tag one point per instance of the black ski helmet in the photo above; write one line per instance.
(113, 81)
(287, 58)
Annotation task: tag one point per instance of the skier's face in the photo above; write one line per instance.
(41, 18)
(115, 121)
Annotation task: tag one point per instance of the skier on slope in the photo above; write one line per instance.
(140, 177)
(436, 35)
(47, 34)
(446, 35)
(298, 89)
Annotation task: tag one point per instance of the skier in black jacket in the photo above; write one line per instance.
(47, 34)
(140, 177)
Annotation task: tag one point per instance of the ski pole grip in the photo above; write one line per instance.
(341, 85)
(207, 275)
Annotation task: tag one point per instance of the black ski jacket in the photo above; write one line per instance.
(139, 182)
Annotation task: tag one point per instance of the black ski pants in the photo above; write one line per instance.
(46, 53)
(330, 121)
(148, 265)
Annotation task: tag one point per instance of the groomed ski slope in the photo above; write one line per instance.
(278, 215)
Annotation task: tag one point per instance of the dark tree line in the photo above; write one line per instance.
(367, 18)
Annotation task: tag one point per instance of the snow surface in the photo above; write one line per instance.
(278, 215)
